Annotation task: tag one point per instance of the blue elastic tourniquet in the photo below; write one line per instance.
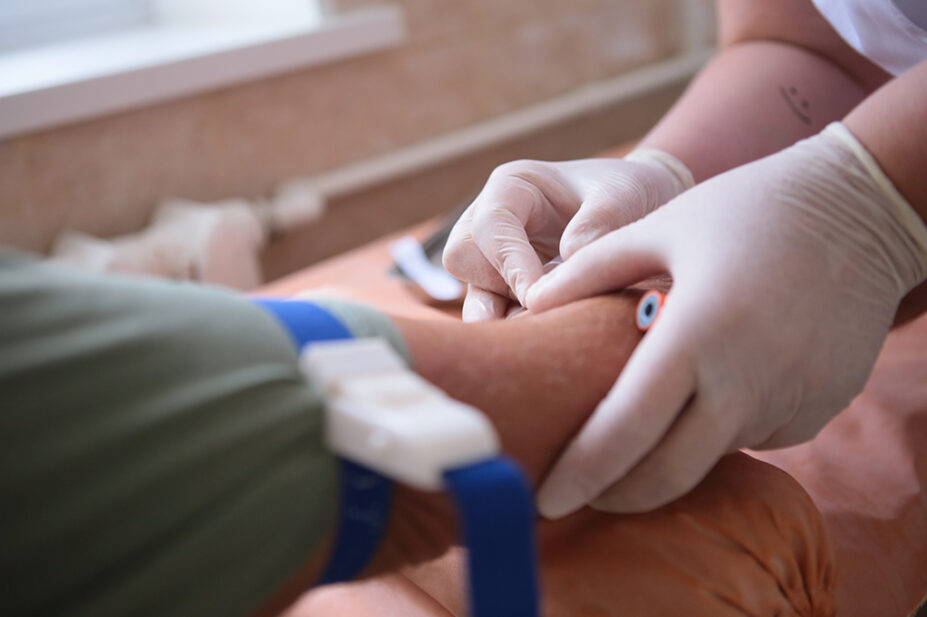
(305, 322)
(497, 513)
(366, 496)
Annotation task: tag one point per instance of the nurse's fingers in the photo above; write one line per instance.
(483, 305)
(503, 240)
(614, 261)
(654, 387)
(464, 260)
(602, 212)
(700, 436)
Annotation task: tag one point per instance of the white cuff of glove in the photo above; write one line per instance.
(665, 161)
(902, 233)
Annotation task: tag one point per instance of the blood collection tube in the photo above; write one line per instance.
(648, 309)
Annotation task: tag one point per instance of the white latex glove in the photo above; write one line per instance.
(786, 276)
(531, 211)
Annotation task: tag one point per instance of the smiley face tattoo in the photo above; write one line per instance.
(799, 106)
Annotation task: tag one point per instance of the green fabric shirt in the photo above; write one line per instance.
(160, 453)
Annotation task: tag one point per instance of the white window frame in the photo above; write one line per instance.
(185, 47)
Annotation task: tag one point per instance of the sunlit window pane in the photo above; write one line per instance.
(26, 23)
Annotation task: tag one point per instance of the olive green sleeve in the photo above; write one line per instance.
(159, 452)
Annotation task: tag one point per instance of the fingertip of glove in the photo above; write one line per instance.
(571, 243)
(478, 307)
(558, 499)
(475, 315)
(625, 503)
(534, 298)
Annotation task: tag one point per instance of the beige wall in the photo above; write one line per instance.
(464, 61)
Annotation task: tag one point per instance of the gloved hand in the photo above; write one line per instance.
(531, 211)
(786, 276)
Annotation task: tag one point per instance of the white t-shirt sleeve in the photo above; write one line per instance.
(890, 33)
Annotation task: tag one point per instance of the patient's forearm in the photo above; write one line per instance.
(537, 378)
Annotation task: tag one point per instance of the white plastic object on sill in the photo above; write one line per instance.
(83, 78)
(381, 414)
(215, 243)
(412, 260)
(293, 204)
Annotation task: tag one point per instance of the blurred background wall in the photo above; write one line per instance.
(463, 62)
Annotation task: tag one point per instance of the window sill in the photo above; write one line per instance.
(81, 79)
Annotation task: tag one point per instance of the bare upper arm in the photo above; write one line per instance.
(795, 22)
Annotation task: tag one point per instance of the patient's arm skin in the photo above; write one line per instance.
(537, 378)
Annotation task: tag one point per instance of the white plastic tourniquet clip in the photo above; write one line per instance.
(382, 415)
